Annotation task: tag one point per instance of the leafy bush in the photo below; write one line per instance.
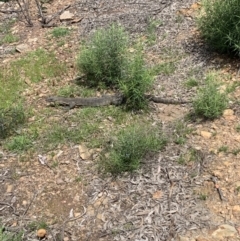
(102, 59)
(210, 102)
(10, 118)
(130, 146)
(219, 24)
(136, 83)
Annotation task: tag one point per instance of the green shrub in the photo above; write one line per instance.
(136, 83)
(210, 102)
(10, 119)
(219, 25)
(102, 59)
(130, 147)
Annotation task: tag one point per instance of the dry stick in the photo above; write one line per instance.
(7, 204)
(217, 187)
(55, 15)
(171, 234)
(159, 10)
(70, 220)
(33, 198)
(26, 15)
(9, 11)
(40, 12)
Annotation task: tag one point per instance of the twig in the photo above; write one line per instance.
(171, 234)
(33, 198)
(55, 15)
(40, 12)
(9, 205)
(25, 12)
(214, 179)
(61, 235)
(118, 232)
(9, 11)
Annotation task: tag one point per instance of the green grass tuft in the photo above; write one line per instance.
(60, 32)
(6, 236)
(130, 147)
(10, 119)
(38, 65)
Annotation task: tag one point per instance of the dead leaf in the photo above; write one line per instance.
(157, 194)
(84, 152)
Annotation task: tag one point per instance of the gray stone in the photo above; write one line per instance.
(22, 48)
(66, 15)
(224, 231)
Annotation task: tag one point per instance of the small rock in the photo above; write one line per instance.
(181, 238)
(97, 204)
(100, 217)
(224, 231)
(66, 15)
(228, 112)
(157, 194)
(230, 117)
(84, 152)
(41, 233)
(206, 134)
(90, 210)
(32, 40)
(198, 148)
(9, 188)
(201, 239)
(236, 210)
(59, 181)
(21, 48)
(217, 173)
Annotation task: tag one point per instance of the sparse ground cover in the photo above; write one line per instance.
(65, 170)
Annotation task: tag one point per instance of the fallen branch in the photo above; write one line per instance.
(25, 12)
(214, 180)
(57, 14)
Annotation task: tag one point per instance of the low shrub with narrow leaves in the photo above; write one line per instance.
(219, 24)
(130, 147)
(136, 82)
(102, 58)
(210, 102)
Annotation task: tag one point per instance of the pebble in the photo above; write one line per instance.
(41, 233)
(206, 134)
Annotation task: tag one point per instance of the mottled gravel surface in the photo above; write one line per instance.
(165, 198)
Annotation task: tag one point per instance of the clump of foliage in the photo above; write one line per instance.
(39, 64)
(130, 147)
(6, 236)
(106, 61)
(136, 83)
(60, 32)
(219, 25)
(210, 102)
(102, 59)
(10, 119)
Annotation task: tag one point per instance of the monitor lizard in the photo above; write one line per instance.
(104, 100)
